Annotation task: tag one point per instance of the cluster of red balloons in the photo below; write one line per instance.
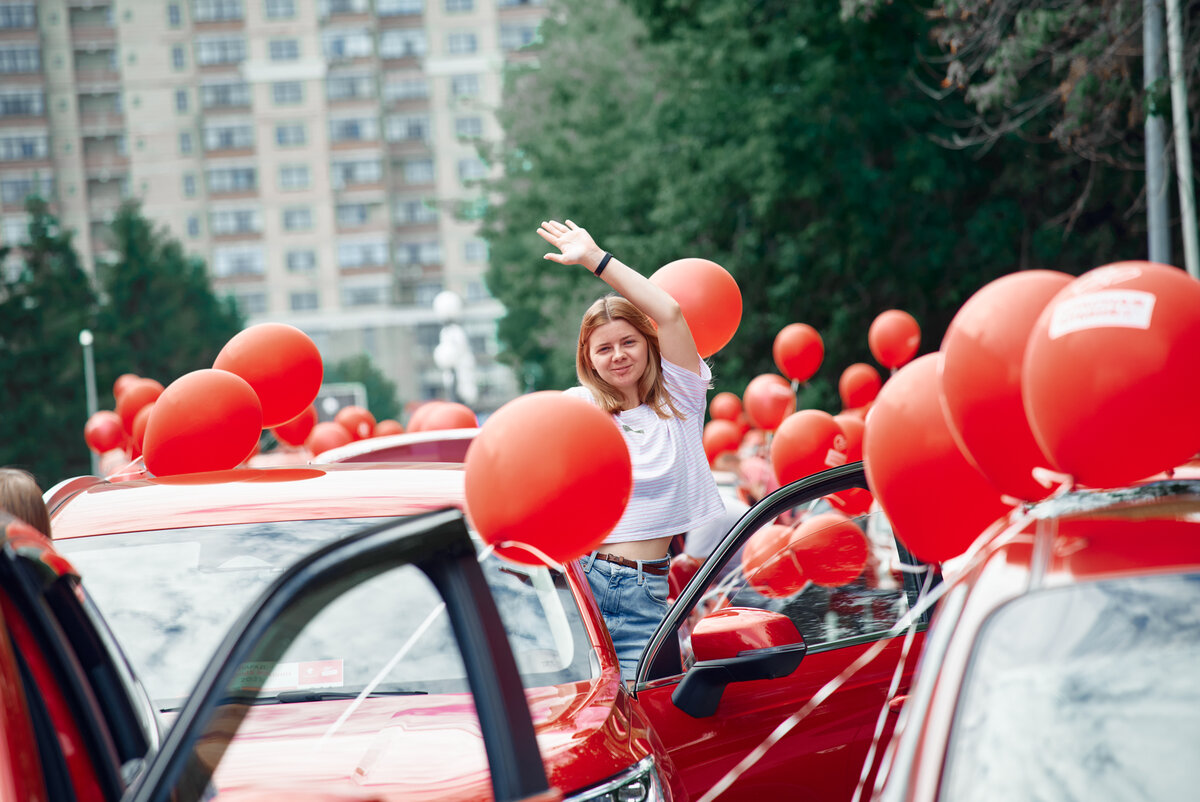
(1087, 377)
(829, 550)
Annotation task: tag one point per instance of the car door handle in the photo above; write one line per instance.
(897, 702)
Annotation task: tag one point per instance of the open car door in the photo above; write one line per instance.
(737, 656)
(438, 544)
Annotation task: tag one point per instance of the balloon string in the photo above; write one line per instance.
(534, 550)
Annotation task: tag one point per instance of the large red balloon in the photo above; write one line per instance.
(980, 378)
(725, 406)
(894, 338)
(807, 442)
(831, 549)
(798, 350)
(449, 415)
(122, 384)
(856, 500)
(1109, 380)
(296, 431)
(769, 399)
(326, 435)
(858, 385)
(103, 431)
(206, 420)
(416, 421)
(720, 436)
(709, 298)
(137, 394)
(770, 565)
(387, 426)
(358, 421)
(938, 502)
(521, 485)
(138, 433)
(280, 362)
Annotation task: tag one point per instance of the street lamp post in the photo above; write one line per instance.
(453, 354)
(89, 380)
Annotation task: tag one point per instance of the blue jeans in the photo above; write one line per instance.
(633, 603)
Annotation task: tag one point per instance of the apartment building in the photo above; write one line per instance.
(320, 155)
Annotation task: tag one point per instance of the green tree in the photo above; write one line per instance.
(45, 300)
(381, 391)
(159, 316)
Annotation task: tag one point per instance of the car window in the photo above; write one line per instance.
(1083, 692)
(171, 595)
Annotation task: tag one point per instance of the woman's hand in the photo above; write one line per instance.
(576, 244)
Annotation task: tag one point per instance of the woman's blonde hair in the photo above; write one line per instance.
(21, 497)
(651, 389)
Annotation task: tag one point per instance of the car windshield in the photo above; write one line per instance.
(1083, 692)
(171, 595)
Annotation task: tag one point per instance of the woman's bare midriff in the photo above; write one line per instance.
(654, 549)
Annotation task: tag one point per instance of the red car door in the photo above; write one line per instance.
(833, 701)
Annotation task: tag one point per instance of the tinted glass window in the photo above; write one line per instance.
(1083, 692)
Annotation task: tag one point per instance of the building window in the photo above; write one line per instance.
(408, 88)
(24, 147)
(185, 142)
(301, 261)
(354, 129)
(353, 173)
(415, 212)
(224, 95)
(471, 169)
(343, 45)
(458, 44)
(216, 10)
(418, 253)
(181, 100)
(350, 215)
(395, 8)
(293, 176)
(362, 254)
(516, 3)
(280, 9)
(418, 171)
(475, 250)
(477, 291)
(250, 303)
(238, 262)
(284, 49)
(468, 127)
(228, 137)
(16, 190)
(178, 59)
(189, 186)
(232, 179)
(349, 87)
(459, 6)
(174, 15)
(406, 127)
(370, 295)
(235, 221)
(297, 218)
(193, 226)
(287, 93)
(326, 8)
(22, 103)
(402, 43)
(426, 291)
(514, 37)
(289, 134)
(464, 86)
(18, 15)
(303, 301)
(223, 50)
(20, 59)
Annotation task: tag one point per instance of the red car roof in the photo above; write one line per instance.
(239, 496)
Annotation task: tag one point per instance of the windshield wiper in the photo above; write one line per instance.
(286, 697)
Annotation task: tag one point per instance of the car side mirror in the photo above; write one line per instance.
(736, 644)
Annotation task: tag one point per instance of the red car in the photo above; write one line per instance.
(1062, 661)
(171, 562)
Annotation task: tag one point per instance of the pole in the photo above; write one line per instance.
(1183, 142)
(1157, 209)
(89, 381)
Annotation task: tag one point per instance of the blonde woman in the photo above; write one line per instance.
(637, 360)
(21, 498)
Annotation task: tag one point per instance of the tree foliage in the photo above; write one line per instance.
(787, 144)
(381, 391)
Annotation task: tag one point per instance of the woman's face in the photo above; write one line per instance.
(619, 354)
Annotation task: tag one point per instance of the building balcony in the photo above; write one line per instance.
(104, 166)
(89, 3)
(93, 38)
(101, 123)
(97, 80)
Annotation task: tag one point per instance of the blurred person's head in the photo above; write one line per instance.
(21, 497)
(755, 479)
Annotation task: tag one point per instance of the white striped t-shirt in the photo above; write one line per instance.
(673, 486)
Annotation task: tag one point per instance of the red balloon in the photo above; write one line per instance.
(449, 415)
(725, 406)
(770, 565)
(137, 394)
(798, 351)
(769, 399)
(296, 431)
(122, 384)
(521, 485)
(709, 298)
(980, 378)
(388, 426)
(856, 500)
(326, 435)
(206, 420)
(807, 442)
(938, 503)
(103, 431)
(831, 549)
(1109, 380)
(416, 421)
(894, 337)
(281, 363)
(858, 385)
(138, 434)
(357, 420)
(720, 436)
